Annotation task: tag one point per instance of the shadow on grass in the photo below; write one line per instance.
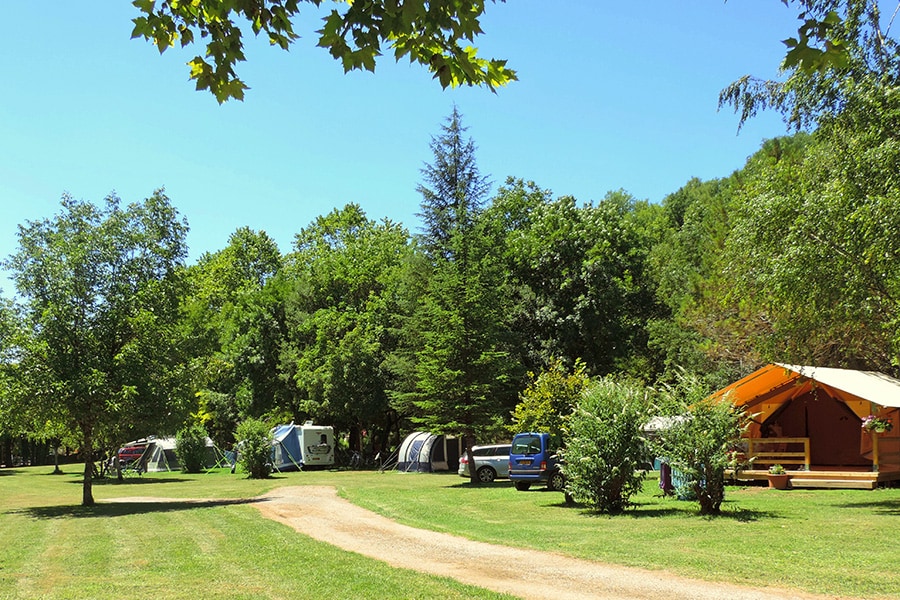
(885, 507)
(129, 481)
(121, 509)
(466, 484)
(8, 471)
(683, 508)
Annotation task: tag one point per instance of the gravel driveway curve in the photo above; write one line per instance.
(319, 513)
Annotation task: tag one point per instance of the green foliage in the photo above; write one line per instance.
(702, 336)
(190, 448)
(234, 320)
(579, 277)
(100, 347)
(813, 251)
(218, 414)
(453, 191)
(701, 441)
(12, 417)
(839, 45)
(457, 372)
(605, 452)
(433, 33)
(549, 399)
(342, 309)
(254, 439)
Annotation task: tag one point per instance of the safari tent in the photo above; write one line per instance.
(425, 452)
(810, 420)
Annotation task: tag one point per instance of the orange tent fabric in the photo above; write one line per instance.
(826, 405)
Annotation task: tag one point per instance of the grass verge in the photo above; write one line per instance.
(835, 542)
(55, 549)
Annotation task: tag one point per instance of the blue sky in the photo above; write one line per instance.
(611, 95)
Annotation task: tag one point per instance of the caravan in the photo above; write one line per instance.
(297, 447)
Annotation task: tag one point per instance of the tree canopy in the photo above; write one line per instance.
(101, 289)
(842, 47)
(437, 34)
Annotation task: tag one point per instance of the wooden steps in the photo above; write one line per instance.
(826, 478)
(853, 484)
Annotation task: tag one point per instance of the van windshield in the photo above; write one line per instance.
(527, 444)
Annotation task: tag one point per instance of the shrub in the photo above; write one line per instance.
(700, 444)
(549, 399)
(254, 448)
(190, 448)
(605, 452)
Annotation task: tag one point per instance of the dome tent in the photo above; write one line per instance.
(158, 454)
(425, 452)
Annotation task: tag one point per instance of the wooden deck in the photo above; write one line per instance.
(826, 477)
(794, 454)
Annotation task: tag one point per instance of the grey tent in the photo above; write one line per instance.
(425, 452)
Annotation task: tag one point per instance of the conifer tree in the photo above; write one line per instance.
(462, 369)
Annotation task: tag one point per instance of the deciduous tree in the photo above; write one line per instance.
(434, 33)
(101, 289)
(605, 453)
(342, 308)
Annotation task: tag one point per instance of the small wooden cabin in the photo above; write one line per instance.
(809, 420)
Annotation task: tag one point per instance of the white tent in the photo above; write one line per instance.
(427, 452)
(160, 455)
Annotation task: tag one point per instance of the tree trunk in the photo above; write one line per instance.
(87, 495)
(470, 441)
(56, 469)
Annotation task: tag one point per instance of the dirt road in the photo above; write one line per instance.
(319, 513)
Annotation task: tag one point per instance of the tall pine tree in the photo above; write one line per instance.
(453, 192)
(461, 367)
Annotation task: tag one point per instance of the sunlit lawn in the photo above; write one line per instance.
(836, 542)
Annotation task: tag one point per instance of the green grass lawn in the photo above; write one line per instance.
(837, 542)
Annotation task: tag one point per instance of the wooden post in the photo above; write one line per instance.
(874, 450)
(806, 452)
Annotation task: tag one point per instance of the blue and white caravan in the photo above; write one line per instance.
(307, 446)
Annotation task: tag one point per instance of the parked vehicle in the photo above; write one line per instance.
(306, 446)
(533, 460)
(491, 462)
(131, 452)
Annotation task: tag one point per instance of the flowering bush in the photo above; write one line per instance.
(876, 424)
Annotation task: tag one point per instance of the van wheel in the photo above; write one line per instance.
(522, 486)
(486, 474)
(556, 482)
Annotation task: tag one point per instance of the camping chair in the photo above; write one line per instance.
(138, 466)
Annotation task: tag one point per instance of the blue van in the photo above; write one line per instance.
(533, 460)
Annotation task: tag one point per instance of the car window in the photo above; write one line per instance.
(527, 445)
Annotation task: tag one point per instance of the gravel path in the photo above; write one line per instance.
(319, 513)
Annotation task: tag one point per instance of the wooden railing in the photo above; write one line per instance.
(762, 451)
